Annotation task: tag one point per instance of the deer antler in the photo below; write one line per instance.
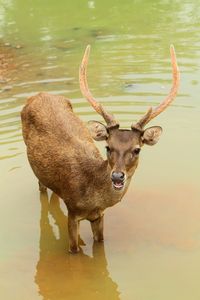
(152, 113)
(109, 118)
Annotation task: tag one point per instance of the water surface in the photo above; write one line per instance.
(152, 238)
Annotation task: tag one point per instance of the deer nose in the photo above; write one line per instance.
(118, 176)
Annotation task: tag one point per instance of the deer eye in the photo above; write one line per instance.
(136, 151)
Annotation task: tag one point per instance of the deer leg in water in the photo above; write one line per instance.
(97, 229)
(73, 229)
(42, 187)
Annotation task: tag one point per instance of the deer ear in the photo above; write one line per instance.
(151, 135)
(97, 130)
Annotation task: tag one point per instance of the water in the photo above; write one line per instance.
(152, 238)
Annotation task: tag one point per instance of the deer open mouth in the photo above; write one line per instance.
(118, 185)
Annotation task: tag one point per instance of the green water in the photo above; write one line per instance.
(152, 239)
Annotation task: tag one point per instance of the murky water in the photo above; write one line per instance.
(152, 238)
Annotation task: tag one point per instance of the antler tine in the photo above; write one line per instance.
(171, 96)
(109, 118)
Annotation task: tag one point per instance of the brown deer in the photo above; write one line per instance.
(64, 158)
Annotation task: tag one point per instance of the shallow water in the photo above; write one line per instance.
(152, 238)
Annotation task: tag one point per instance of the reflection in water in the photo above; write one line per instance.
(60, 275)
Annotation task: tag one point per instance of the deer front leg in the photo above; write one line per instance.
(97, 229)
(73, 229)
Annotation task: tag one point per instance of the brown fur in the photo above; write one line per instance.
(64, 158)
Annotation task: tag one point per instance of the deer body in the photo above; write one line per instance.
(64, 157)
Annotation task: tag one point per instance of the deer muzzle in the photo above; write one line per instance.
(118, 180)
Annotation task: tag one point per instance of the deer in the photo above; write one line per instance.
(63, 155)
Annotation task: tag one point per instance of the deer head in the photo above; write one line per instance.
(123, 146)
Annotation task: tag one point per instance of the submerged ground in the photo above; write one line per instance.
(152, 238)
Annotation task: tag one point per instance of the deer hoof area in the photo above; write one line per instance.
(98, 239)
(74, 250)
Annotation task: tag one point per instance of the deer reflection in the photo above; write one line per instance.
(60, 275)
